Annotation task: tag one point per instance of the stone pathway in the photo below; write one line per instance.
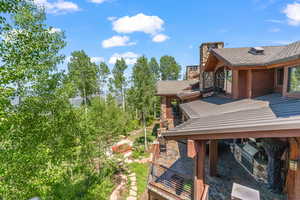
(133, 187)
(117, 191)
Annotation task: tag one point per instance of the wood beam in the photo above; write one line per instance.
(199, 167)
(235, 84)
(293, 176)
(285, 81)
(249, 83)
(191, 149)
(238, 135)
(213, 157)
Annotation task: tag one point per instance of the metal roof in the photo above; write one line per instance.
(173, 87)
(271, 55)
(270, 112)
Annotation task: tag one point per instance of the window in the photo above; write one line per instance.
(294, 79)
(280, 76)
(228, 81)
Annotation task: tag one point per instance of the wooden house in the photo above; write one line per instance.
(248, 98)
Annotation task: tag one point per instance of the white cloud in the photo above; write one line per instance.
(276, 21)
(117, 41)
(57, 7)
(160, 38)
(97, 1)
(54, 30)
(292, 12)
(112, 18)
(129, 57)
(138, 23)
(274, 30)
(97, 59)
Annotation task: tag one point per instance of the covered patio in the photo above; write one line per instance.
(272, 118)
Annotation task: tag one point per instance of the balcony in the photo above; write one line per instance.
(171, 182)
(171, 172)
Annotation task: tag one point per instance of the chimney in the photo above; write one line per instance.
(205, 48)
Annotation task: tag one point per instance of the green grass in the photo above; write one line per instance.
(141, 171)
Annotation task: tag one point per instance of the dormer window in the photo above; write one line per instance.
(257, 51)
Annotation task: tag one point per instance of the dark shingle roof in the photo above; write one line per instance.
(219, 105)
(271, 55)
(173, 87)
(270, 112)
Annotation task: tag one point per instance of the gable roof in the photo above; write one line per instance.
(171, 87)
(271, 55)
(270, 112)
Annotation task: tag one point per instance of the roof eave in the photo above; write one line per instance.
(236, 132)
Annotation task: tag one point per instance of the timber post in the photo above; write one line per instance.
(213, 157)
(199, 169)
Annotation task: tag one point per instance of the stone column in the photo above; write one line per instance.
(274, 149)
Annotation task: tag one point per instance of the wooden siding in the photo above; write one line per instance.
(263, 82)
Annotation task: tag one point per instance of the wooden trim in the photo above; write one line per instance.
(277, 65)
(205, 195)
(235, 84)
(213, 157)
(191, 149)
(249, 83)
(238, 135)
(293, 176)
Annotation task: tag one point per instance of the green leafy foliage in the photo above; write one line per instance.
(83, 74)
(48, 147)
(169, 68)
(118, 81)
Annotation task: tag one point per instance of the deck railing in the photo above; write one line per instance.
(170, 181)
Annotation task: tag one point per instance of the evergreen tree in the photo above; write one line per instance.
(169, 68)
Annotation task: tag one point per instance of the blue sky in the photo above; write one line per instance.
(108, 29)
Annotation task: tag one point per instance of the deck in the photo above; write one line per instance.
(173, 174)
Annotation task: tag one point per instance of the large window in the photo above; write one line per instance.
(294, 79)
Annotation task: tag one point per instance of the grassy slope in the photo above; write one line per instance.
(141, 171)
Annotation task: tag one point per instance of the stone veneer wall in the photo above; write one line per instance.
(192, 74)
(259, 169)
(204, 53)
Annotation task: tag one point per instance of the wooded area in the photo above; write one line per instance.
(50, 148)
